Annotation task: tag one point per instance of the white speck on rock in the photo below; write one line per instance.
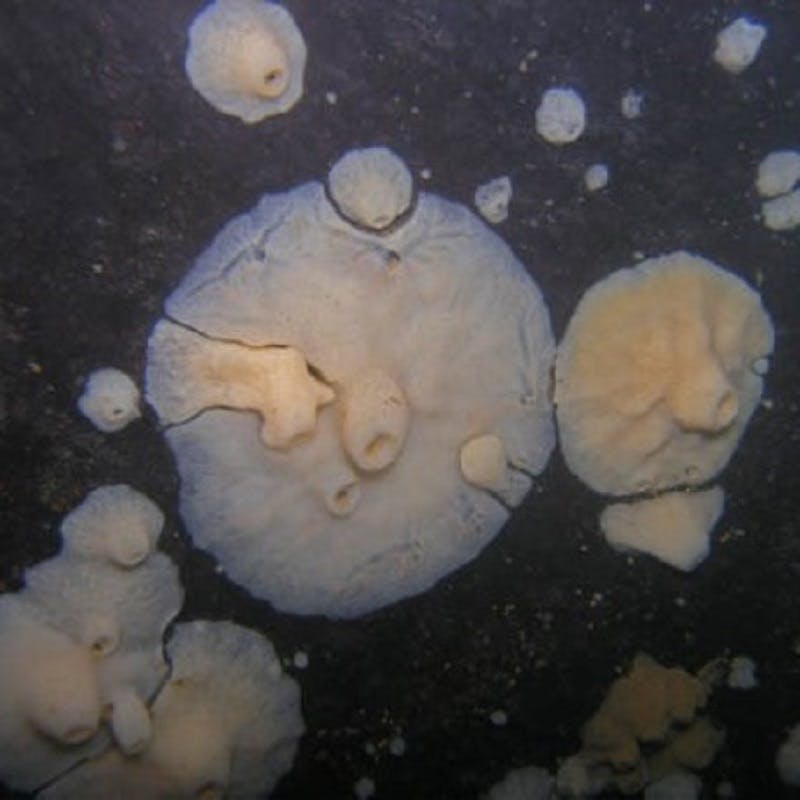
(738, 45)
(300, 659)
(364, 788)
(499, 718)
(631, 104)
(782, 213)
(596, 177)
(492, 199)
(680, 784)
(397, 746)
(778, 173)
(787, 759)
(742, 673)
(561, 116)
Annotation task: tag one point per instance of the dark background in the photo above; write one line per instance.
(115, 174)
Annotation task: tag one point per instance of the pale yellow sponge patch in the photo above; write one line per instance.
(647, 726)
(658, 374)
(674, 527)
(483, 462)
(187, 373)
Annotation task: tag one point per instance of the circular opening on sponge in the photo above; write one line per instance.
(103, 645)
(344, 500)
(274, 82)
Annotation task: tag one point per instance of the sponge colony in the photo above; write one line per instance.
(425, 335)
(648, 726)
(658, 374)
(246, 58)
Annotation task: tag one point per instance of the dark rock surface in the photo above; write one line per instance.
(116, 174)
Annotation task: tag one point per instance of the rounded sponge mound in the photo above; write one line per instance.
(658, 374)
(413, 337)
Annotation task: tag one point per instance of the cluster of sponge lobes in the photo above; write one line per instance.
(93, 706)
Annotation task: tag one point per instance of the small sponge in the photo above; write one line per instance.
(225, 724)
(246, 57)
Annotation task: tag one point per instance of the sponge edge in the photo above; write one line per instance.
(246, 58)
(675, 527)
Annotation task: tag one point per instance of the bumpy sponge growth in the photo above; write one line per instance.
(658, 374)
(426, 353)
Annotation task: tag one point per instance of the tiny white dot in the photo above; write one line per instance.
(498, 717)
